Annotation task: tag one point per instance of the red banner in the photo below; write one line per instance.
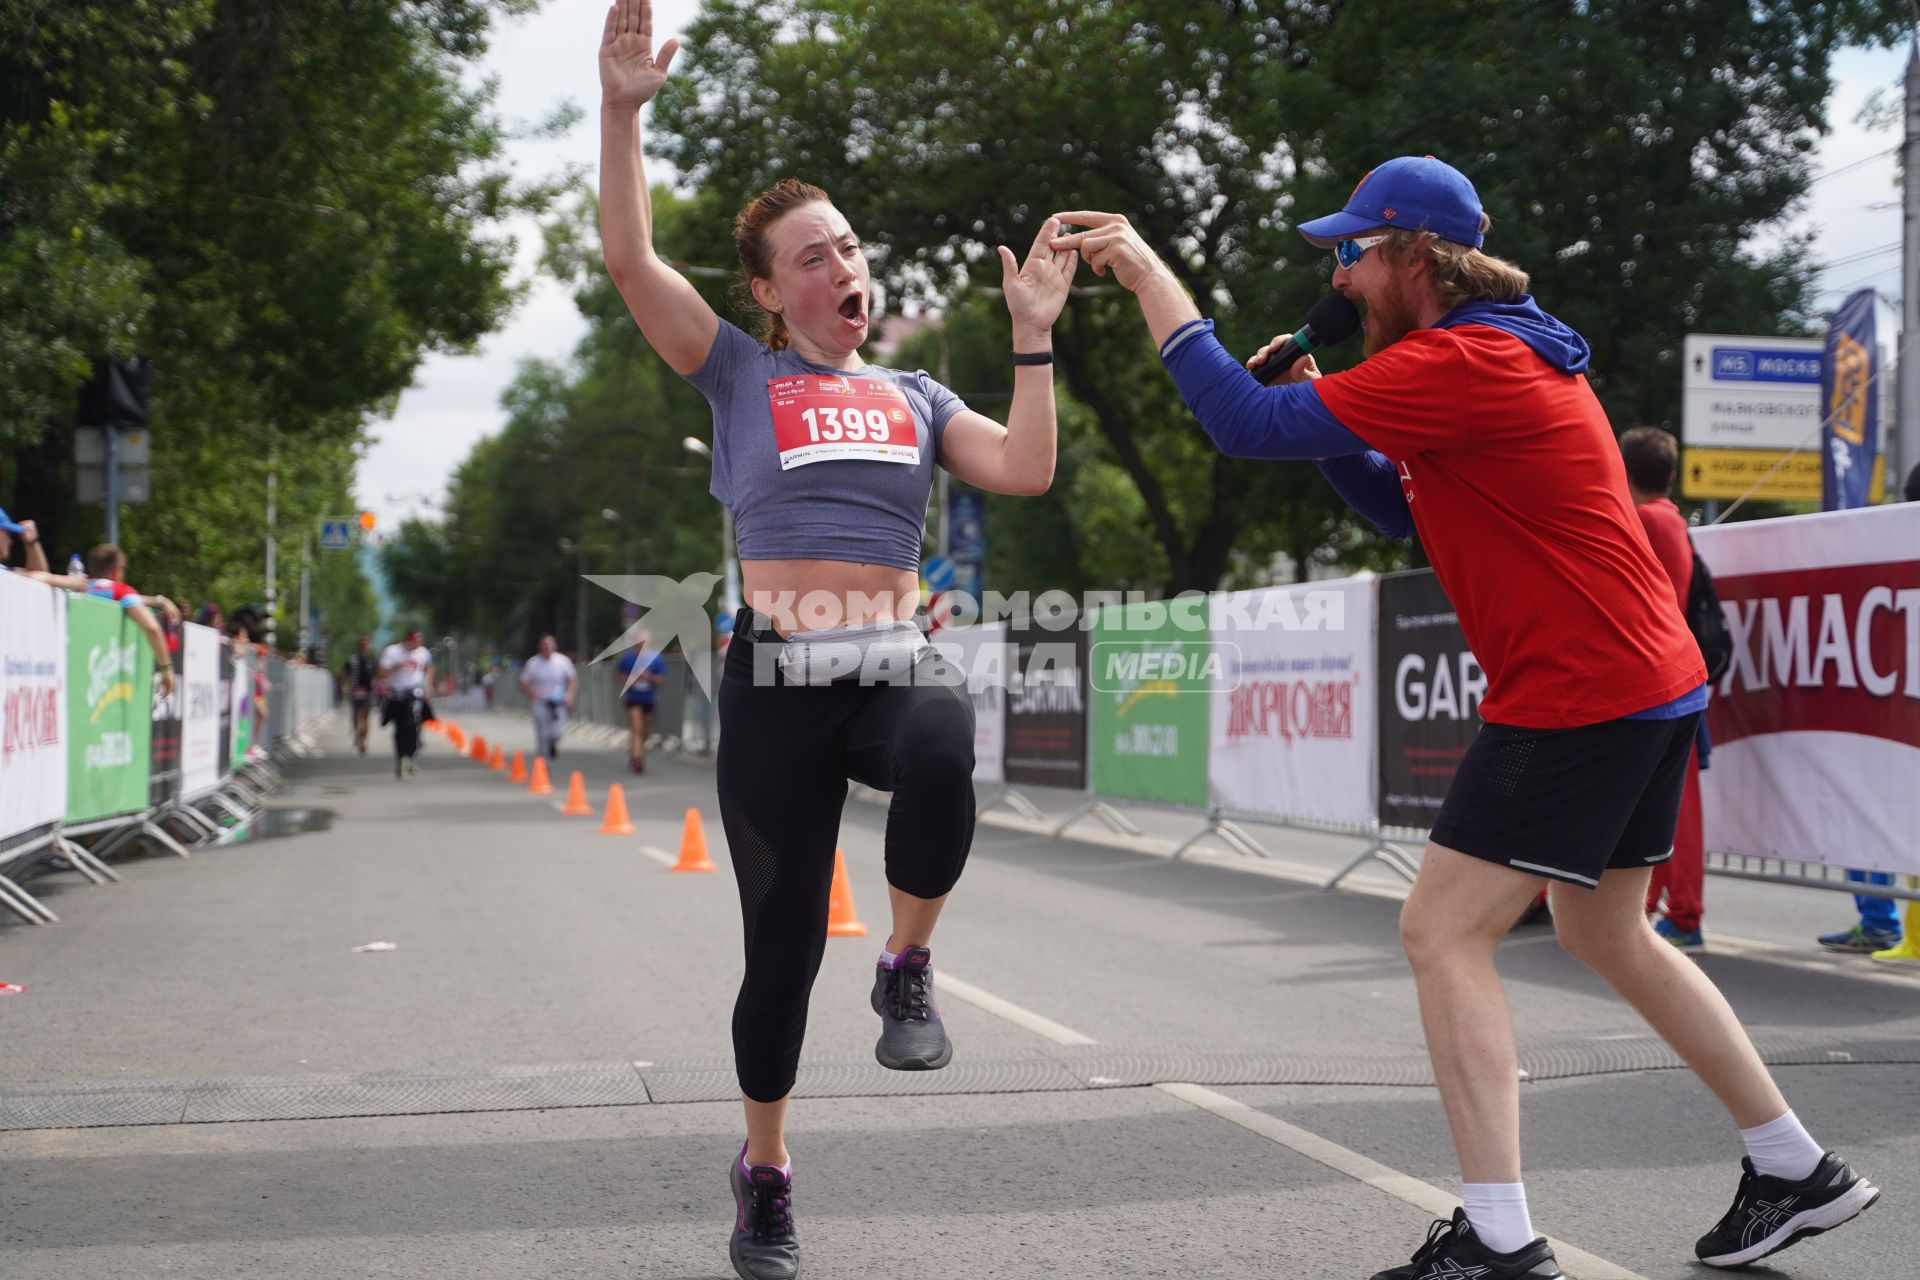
(1816, 724)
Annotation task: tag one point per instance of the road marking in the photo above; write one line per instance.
(1026, 1019)
(660, 856)
(1577, 1263)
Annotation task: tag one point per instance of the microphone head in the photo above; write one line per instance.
(1333, 319)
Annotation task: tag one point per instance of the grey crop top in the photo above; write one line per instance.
(817, 463)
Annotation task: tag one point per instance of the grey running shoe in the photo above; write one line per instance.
(764, 1245)
(1454, 1252)
(912, 1037)
(1771, 1213)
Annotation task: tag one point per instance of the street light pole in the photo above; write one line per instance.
(729, 561)
(580, 595)
(306, 576)
(1906, 451)
(273, 590)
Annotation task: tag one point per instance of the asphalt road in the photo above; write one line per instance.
(1203, 1067)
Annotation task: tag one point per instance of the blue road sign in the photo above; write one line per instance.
(1762, 364)
(336, 535)
(939, 573)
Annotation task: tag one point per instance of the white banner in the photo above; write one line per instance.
(983, 654)
(1293, 724)
(200, 710)
(33, 704)
(1816, 724)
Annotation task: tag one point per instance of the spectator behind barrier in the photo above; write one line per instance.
(1652, 460)
(107, 580)
(35, 555)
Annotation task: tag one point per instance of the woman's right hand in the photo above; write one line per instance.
(630, 72)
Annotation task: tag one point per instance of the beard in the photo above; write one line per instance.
(1390, 317)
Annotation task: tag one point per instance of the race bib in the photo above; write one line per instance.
(827, 418)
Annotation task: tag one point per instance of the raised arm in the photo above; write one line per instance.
(36, 551)
(676, 320)
(157, 640)
(1019, 457)
(1243, 418)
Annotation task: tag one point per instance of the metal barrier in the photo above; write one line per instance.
(305, 698)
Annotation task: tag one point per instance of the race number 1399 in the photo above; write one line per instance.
(818, 418)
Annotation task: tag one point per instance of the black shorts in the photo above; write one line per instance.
(1570, 803)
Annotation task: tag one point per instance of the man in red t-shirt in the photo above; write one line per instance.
(1652, 459)
(1471, 423)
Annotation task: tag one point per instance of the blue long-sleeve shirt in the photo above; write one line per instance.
(1247, 420)
(1370, 484)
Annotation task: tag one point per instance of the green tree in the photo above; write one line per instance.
(285, 207)
(605, 432)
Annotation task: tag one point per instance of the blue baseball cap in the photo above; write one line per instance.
(7, 522)
(1411, 193)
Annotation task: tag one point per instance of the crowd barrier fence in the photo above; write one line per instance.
(95, 757)
(1343, 707)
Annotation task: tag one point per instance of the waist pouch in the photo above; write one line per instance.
(873, 650)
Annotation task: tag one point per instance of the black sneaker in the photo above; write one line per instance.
(1454, 1252)
(1771, 1213)
(764, 1245)
(912, 1037)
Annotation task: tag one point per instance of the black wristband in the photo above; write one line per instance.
(1033, 357)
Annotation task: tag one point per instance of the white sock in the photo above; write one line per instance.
(1498, 1212)
(786, 1170)
(888, 958)
(1782, 1148)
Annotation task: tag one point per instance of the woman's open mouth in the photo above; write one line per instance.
(853, 308)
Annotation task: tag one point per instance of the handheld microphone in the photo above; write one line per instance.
(1331, 320)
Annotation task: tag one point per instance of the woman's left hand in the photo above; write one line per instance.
(1037, 289)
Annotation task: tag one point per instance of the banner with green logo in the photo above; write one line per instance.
(109, 711)
(1148, 674)
(240, 699)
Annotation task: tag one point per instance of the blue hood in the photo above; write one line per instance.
(1552, 341)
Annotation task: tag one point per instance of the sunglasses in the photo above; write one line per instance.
(1349, 252)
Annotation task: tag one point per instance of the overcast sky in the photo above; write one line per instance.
(549, 58)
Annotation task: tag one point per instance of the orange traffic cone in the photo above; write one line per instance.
(693, 845)
(841, 920)
(431, 726)
(498, 760)
(519, 771)
(616, 823)
(541, 785)
(577, 806)
(479, 751)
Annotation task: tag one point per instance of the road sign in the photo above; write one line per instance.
(90, 447)
(939, 573)
(1751, 393)
(336, 535)
(90, 484)
(1730, 473)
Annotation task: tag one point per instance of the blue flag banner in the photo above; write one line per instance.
(967, 541)
(1850, 391)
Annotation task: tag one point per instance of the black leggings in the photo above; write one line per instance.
(406, 729)
(786, 752)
